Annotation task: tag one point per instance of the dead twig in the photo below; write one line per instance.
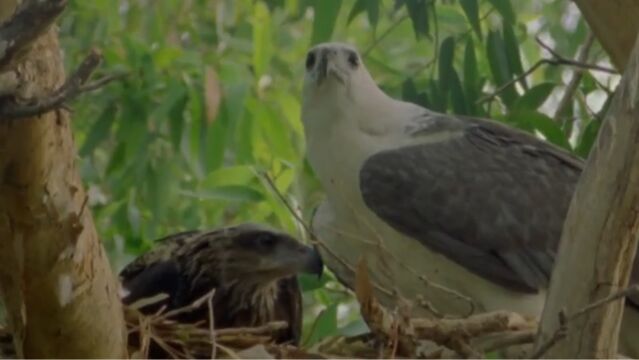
(75, 85)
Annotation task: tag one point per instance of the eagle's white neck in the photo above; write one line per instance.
(344, 124)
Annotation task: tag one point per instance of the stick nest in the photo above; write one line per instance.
(393, 334)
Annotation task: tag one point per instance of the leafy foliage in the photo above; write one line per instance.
(213, 101)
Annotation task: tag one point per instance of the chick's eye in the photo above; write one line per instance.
(310, 60)
(353, 60)
(266, 240)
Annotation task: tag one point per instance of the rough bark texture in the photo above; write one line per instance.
(600, 234)
(55, 279)
(615, 24)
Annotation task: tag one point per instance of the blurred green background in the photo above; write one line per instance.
(212, 101)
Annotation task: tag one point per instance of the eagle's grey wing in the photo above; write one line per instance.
(488, 197)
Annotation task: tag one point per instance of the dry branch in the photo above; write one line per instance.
(31, 20)
(599, 238)
(74, 86)
(55, 279)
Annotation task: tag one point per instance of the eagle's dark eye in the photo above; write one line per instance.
(266, 241)
(353, 60)
(310, 60)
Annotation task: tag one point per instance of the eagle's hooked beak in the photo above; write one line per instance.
(313, 263)
(328, 66)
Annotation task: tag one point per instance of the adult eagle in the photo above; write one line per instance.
(252, 268)
(458, 214)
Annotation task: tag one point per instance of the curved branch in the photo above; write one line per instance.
(30, 21)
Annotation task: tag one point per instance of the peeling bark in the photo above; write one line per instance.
(55, 279)
(600, 233)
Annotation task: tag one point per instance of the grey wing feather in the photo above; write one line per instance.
(493, 199)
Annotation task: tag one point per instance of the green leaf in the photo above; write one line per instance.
(534, 120)
(410, 94)
(446, 55)
(325, 325)
(588, 138)
(360, 6)
(373, 12)
(409, 91)
(370, 6)
(160, 185)
(534, 98)
(176, 119)
(99, 131)
(326, 12)
(117, 159)
(471, 9)
(230, 175)
(354, 328)
(438, 101)
(513, 54)
(588, 83)
(311, 282)
(262, 44)
(496, 53)
(215, 142)
(457, 97)
(418, 12)
(505, 9)
(471, 77)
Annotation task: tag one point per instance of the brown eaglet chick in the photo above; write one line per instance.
(252, 267)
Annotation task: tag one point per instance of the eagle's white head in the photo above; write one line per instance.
(336, 78)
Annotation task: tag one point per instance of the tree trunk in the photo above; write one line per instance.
(600, 233)
(615, 24)
(56, 282)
